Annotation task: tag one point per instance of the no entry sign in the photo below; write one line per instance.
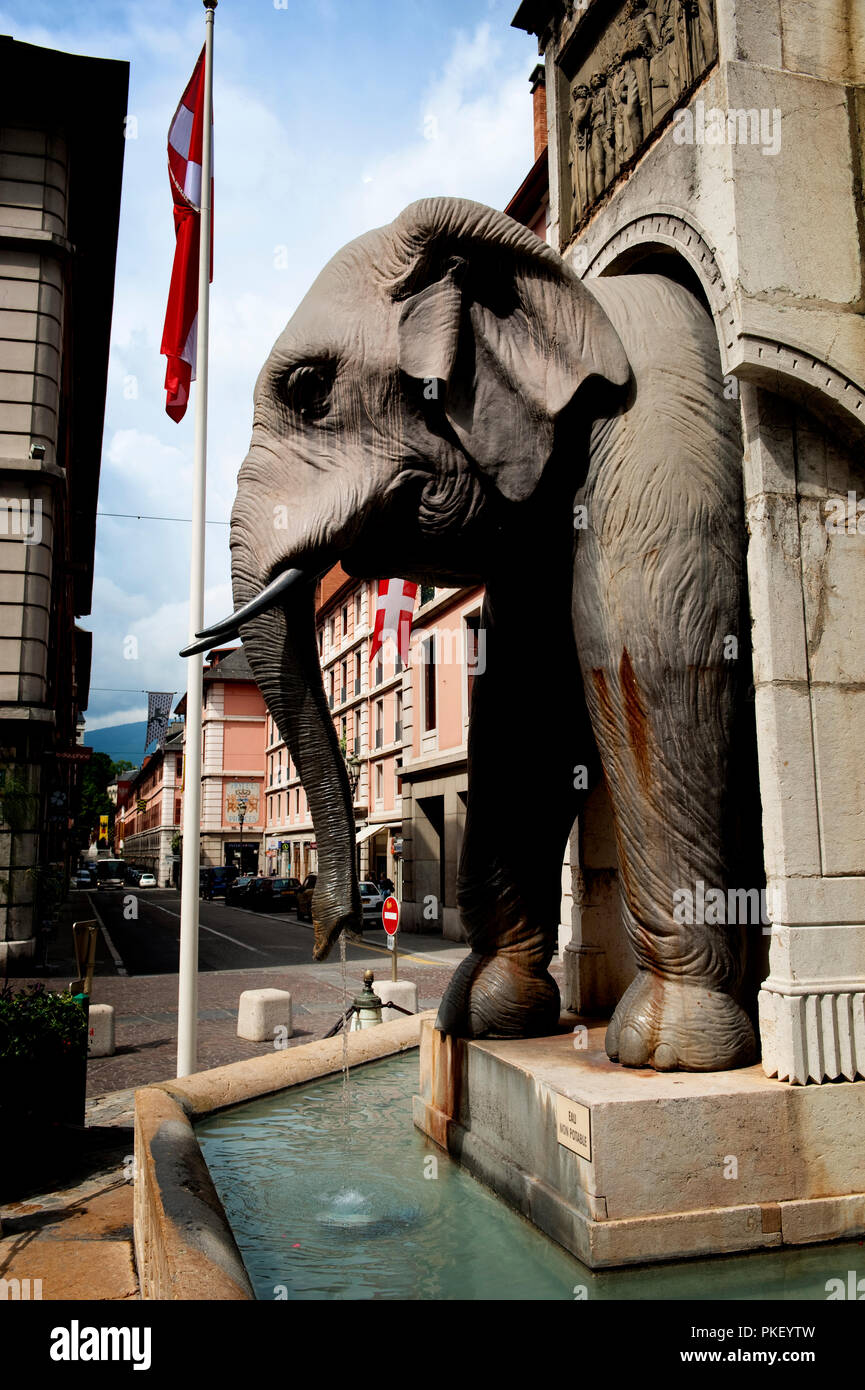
(390, 915)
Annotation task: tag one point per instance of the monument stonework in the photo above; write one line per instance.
(624, 76)
(687, 387)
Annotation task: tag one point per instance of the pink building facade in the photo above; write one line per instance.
(367, 701)
(234, 717)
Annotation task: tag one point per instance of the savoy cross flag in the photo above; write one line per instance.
(185, 138)
(393, 615)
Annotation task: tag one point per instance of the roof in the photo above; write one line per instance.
(233, 667)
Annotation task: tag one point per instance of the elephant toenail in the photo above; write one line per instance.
(633, 1051)
(665, 1058)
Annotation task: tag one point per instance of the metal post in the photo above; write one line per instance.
(187, 999)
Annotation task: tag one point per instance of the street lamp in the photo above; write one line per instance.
(242, 803)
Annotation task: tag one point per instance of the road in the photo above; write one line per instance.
(144, 928)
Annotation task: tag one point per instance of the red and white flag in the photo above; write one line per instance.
(185, 141)
(393, 615)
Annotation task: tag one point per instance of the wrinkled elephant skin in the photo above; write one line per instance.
(449, 384)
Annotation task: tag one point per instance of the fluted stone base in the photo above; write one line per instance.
(650, 1166)
(812, 1037)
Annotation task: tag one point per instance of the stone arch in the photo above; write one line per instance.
(782, 368)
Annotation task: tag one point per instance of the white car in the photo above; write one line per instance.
(372, 902)
(146, 881)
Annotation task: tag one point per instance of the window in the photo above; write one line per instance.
(345, 622)
(178, 769)
(297, 802)
(379, 781)
(343, 694)
(379, 723)
(177, 811)
(397, 775)
(357, 731)
(279, 807)
(321, 641)
(330, 684)
(331, 631)
(357, 673)
(344, 731)
(357, 608)
(271, 769)
(427, 593)
(379, 667)
(397, 717)
(429, 679)
(473, 627)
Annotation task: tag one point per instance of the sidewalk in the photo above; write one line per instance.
(72, 1228)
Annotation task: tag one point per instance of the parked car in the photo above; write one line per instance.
(146, 881)
(304, 898)
(82, 879)
(215, 879)
(284, 891)
(237, 894)
(372, 901)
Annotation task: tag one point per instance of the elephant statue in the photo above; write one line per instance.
(450, 394)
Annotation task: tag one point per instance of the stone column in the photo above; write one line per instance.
(807, 595)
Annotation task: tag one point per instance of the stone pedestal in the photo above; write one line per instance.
(628, 1166)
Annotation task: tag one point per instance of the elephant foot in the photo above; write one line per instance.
(498, 997)
(675, 1026)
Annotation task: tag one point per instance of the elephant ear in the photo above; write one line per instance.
(506, 327)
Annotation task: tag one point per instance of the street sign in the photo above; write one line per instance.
(390, 915)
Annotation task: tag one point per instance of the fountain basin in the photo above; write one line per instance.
(184, 1245)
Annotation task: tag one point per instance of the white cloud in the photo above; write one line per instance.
(117, 716)
(301, 178)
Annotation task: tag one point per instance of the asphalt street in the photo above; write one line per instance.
(143, 925)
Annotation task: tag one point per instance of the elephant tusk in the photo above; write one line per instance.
(229, 628)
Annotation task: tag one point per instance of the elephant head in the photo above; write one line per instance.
(409, 409)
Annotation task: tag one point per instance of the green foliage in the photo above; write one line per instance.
(16, 802)
(41, 1026)
(97, 776)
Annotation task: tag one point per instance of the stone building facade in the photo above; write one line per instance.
(232, 763)
(740, 174)
(59, 209)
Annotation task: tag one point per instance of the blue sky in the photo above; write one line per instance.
(330, 116)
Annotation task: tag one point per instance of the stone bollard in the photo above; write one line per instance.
(402, 992)
(262, 1011)
(100, 1030)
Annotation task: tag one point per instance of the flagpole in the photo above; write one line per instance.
(187, 995)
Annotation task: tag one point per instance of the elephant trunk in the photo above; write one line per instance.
(281, 647)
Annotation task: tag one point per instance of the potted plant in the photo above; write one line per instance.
(43, 1057)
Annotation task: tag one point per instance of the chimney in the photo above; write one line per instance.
(538, 80)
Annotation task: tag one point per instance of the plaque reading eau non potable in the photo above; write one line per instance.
(574, 1126)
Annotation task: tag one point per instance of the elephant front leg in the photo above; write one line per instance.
(522, 802)
(661, 697)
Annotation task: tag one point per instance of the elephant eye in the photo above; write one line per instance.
(306, 391)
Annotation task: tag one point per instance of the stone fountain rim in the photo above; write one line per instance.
(184, 1245)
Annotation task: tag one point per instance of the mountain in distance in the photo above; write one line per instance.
(124, 741)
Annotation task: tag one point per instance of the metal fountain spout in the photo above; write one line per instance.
(367, 1005)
